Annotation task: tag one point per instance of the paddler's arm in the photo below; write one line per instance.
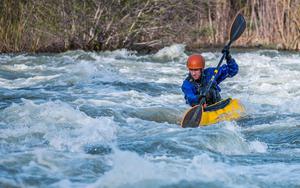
(188, 89)
(230, 69)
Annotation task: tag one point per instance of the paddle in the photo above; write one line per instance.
(193, 117)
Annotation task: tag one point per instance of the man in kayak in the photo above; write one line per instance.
(194, 85)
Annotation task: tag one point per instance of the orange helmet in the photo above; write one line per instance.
(195, 61)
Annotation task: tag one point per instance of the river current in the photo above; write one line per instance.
(111, 119)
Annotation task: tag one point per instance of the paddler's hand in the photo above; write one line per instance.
(202, 100)
(227, 54)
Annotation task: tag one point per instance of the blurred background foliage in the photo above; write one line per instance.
(144, 25)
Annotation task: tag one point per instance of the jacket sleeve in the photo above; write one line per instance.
(228, 70)
(189, 95)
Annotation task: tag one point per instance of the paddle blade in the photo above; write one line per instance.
(237, 28)
(192, 117)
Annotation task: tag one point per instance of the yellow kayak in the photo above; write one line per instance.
(225, 110)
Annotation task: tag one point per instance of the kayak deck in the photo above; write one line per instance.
(224, 110)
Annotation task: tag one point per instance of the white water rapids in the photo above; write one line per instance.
(111, 119)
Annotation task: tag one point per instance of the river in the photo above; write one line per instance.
(111, 119)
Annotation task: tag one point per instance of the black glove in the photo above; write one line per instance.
(227, 53)
(201, 98)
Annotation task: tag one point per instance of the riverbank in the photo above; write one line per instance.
(145, 26)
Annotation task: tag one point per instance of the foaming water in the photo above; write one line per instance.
(111, 119)
(56, 124)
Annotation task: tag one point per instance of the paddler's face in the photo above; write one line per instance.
(195, 73)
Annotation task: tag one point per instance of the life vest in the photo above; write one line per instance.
(200, 85)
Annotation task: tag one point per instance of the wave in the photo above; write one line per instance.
(56, 123)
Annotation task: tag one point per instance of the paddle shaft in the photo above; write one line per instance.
(203, 97)
(237, 28)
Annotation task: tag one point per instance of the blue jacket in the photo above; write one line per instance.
(192, 89)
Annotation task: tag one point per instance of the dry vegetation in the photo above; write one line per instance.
(145, 25)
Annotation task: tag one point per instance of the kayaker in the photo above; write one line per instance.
(194, 85)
